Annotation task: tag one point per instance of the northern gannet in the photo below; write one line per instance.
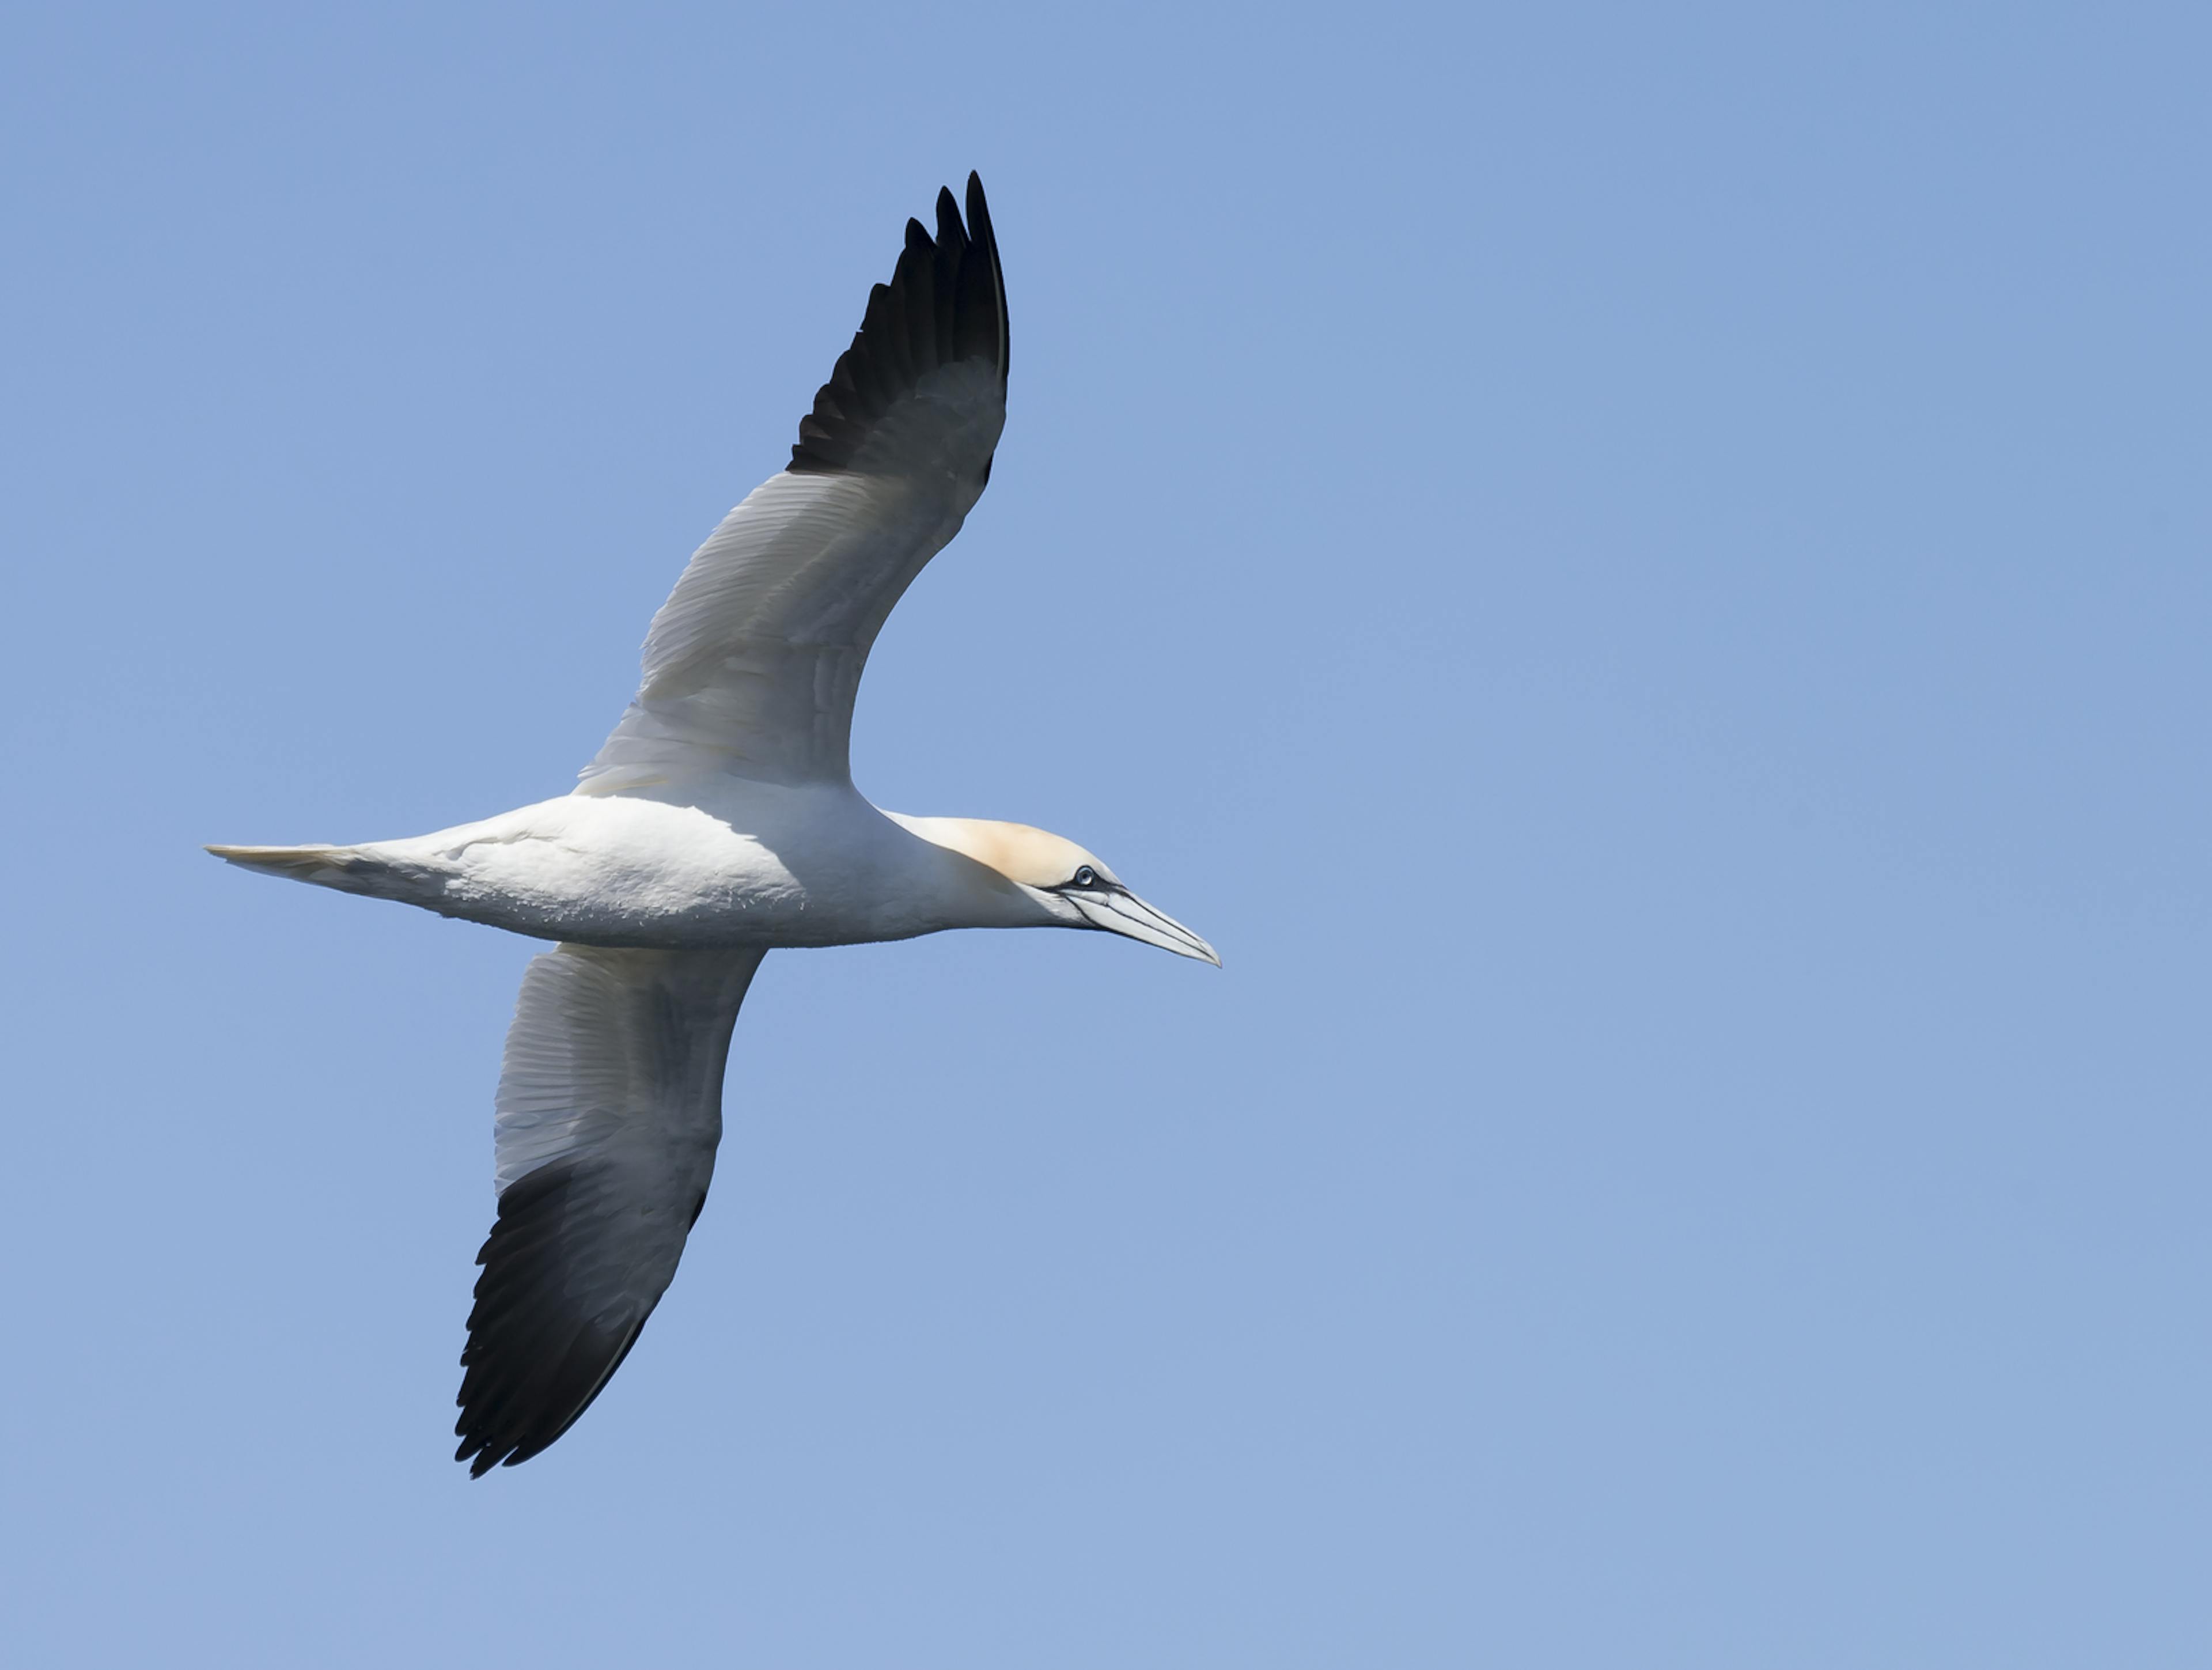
(719, 822)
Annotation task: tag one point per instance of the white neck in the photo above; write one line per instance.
(960, 865)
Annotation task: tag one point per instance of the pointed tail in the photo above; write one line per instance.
(341, 867)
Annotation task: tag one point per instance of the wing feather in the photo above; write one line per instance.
(753, 665)
(610, 1108)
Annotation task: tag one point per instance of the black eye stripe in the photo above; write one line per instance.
(1094, 883)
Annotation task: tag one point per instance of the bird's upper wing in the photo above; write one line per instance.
(609, 1108)
(751, 666)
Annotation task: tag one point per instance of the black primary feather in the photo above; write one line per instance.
(945, 303)
(535, 1360)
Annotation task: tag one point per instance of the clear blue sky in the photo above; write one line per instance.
(1645, 573)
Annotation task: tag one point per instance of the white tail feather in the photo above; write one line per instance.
(341, 867)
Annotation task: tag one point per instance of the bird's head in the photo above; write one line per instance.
(1071, 887)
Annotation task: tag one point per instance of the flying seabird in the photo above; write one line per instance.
(719, 822)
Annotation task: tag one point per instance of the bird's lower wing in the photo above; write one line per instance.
(609, 1108)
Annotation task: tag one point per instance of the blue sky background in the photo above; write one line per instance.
(1644, 571)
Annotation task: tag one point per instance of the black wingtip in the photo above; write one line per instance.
(533, 1362)
(946, 304)
(987, 243)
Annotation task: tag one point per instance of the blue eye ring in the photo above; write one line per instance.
(1085, 877)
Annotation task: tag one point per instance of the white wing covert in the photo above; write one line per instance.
(609, 1108)
(753, 664)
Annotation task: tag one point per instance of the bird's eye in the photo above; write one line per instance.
(1086, 876)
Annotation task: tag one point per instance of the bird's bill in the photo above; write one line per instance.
(1118, 910)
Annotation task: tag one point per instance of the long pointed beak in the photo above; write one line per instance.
(1118, 910)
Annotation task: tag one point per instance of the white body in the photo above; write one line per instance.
(731, 864)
